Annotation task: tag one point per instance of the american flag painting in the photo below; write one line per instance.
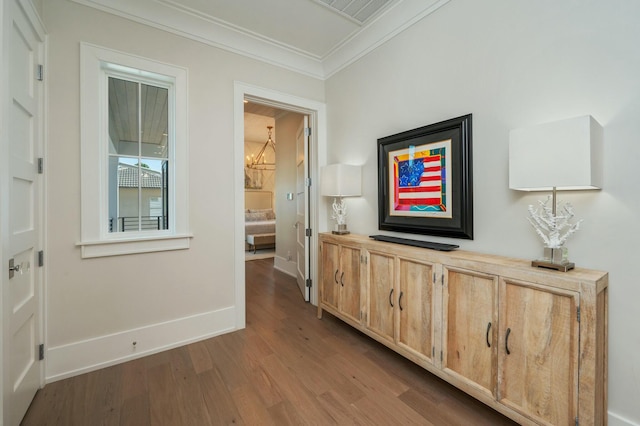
(419, 180)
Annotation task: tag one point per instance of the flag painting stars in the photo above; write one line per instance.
(420, 180)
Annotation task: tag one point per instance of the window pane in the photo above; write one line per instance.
(124, 195)
(155, 119)
(153, 195)
(138, 160)
(123, 117)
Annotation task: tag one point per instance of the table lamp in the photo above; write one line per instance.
(557, 156)
(339, 181)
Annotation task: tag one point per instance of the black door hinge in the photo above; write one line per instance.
(41, 258)
(307, 232)
(41, 351)
(308, 282)
(40, 72)
(40, 165)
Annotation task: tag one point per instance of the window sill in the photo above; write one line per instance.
(134, 245)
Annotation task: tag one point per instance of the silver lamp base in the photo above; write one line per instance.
(341, 230)
(554, 258)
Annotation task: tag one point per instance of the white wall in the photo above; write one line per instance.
(513, 64)
(95, 308)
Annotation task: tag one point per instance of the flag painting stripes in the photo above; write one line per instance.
(419, 179)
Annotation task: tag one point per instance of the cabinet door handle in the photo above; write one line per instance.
(506, 341)
(341, 277)
(390, 298)
(335, 277)
(400, 301)
(487, 336)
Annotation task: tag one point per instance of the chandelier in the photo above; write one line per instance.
(259, 162)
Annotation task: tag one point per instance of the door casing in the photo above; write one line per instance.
(317, 122)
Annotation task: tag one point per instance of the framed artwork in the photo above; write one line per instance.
(425, 183)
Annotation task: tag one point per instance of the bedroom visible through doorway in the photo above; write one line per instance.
(272, 194)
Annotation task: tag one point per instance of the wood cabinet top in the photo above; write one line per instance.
(507, 267)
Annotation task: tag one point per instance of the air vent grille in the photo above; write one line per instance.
(358, 10)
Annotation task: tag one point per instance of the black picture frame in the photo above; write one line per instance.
(425, 180)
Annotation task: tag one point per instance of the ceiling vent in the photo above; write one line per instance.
(359, 11)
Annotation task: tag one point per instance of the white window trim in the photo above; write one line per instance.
(95, 240)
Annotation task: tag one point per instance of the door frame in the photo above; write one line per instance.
(6, 23)
(317, 121)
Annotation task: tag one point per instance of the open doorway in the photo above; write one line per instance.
(276, 192)
(291, 106)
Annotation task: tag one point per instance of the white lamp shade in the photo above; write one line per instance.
(564, 154)
(341, 180)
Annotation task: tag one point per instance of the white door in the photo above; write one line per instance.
(302, 208)
(21, 213)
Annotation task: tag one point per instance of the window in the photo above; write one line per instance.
(134, 154)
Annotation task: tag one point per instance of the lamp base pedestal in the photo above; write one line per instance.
(555, 258)
(341, 230)
(563, 267)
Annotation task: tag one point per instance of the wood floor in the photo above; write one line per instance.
(286, 368)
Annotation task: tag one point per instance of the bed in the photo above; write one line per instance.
(259, 220)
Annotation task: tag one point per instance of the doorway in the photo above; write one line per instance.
(276, 195)
(316, 113)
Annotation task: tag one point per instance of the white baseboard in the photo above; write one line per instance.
(616, 420)
(283, 265)
(92, 354)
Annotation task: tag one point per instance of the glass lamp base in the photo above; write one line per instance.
(555, 258)
(341, 229)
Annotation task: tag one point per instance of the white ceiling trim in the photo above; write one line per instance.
(165, 15)
(170, 19)
(391, 23)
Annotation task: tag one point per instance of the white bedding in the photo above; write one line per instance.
(260, 227)
(259, 215)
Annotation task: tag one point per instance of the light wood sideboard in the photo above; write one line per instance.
(529, 342)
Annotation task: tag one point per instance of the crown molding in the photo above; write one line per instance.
(167, 16)
(382, 29)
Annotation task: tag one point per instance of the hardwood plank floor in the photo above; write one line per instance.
(286, 368)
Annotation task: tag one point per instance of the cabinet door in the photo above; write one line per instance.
(330, 286)
(470, 314)
(349, 279)
(381, 294)
(538, 344)
(415, 307)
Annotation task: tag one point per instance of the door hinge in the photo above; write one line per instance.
(307, 232)
(442, 280)
(578, 313)
(41, 351)
(307, 182)
(40, 165)
(41, 258)
(307, 131)
(40, 72)
(308, 282)
(441, 356)
(433, 351)
(577, 422)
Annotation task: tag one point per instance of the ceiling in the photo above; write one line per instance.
(313, 37)
(256, 119)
